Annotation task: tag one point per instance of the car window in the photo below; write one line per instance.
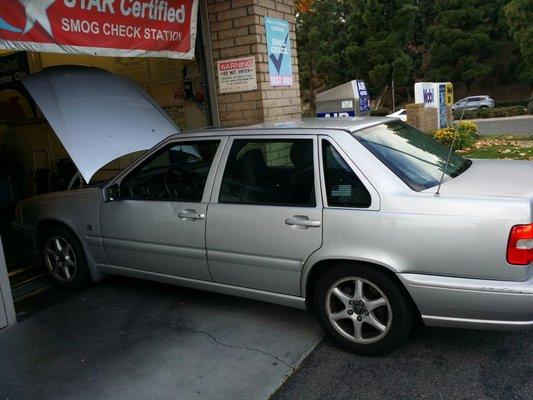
(178, 172)
(343, 187)
(270, 172)
(415, 157)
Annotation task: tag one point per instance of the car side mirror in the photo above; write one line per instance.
(112, 193)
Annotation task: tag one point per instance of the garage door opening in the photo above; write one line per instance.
(33, 161)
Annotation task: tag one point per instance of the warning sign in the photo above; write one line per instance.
(237, 75)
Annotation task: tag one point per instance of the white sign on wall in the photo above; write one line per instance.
(237, 75)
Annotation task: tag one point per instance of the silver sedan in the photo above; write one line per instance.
(367, 222)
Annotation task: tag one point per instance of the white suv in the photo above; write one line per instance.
(474, 103)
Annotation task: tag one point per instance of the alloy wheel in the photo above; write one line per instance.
(358, 310)
(60, 259)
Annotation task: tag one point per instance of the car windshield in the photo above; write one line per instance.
(415, 157)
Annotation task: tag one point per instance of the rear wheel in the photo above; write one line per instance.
(362, 309)
(63, 256)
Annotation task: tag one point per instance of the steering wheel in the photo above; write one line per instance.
(185, 173)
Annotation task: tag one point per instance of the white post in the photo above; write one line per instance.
(7, 308)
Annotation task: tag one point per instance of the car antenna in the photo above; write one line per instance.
(449, 153)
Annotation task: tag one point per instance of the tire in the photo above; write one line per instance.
(66, 264)
(357, 327)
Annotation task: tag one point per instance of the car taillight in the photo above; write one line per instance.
(520, 245)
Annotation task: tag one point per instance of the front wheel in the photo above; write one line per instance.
(362, 309)
(63, 256)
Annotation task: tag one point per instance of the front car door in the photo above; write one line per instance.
(158, 225)
(265, 214)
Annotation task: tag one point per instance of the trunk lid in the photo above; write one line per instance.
(502, 178)
(97, 116)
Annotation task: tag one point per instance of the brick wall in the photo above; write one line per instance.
(425, 119)
(237, 30)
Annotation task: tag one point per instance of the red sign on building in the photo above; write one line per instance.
(125, 28)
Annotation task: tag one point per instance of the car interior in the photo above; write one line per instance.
(176, 173)
(265, 172)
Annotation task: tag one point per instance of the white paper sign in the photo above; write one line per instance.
(347, 104)
(237, 75)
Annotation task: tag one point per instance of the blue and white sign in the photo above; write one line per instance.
(341, 114)
(443, 117)
(279, 52)
(364, 98)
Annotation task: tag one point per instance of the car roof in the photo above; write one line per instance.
(349, 125)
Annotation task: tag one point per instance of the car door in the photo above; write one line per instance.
(472, 103)
(158, 224)
(265, 214)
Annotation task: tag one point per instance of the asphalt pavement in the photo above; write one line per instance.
(522, 125)
(435, 364)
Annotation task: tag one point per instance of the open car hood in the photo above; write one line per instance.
(98, 116)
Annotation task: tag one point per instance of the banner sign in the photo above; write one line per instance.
(119, 28)
(279, 52)
(237, 75)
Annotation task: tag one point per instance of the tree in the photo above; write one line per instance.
(320, 27)
(379, 47)
(388, 42)
(519, 14)
(463, 42)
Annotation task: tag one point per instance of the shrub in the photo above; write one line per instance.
(464, 133)
(491, 112)
(380, 112)
(510, 103)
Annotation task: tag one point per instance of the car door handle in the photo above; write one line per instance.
(191, 215)
(302, 221)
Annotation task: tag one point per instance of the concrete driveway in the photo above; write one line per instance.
(129, 339)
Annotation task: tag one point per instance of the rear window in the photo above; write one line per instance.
(413, 156)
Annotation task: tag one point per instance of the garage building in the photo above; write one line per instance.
(32, 159)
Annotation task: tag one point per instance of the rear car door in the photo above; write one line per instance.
(473, 103)
(158, 225)
(265, 214)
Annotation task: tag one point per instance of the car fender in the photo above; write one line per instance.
(332, 254)
(79, 211)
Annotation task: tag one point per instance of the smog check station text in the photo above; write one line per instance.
(155, 10)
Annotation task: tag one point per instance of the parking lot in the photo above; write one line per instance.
(435, 364)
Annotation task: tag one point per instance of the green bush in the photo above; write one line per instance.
(380, 112)
(464, 133)
(491, 112)
(522, 103)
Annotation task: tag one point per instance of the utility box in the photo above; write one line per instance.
(347, 100)
(435, 95)
(449, 94)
